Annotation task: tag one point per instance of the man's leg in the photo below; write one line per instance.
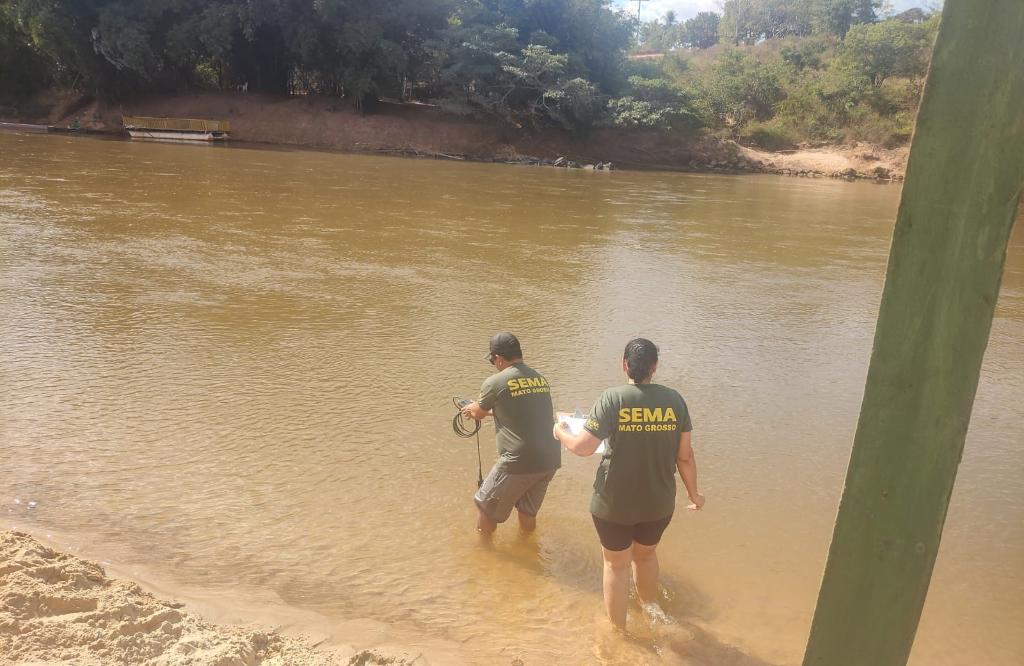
(528, 505)
(616, 584)
(494, 500)
(484, 525)
(645, 572)
(527, 523)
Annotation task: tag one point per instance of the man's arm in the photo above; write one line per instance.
(687, 466)
(484, 405)
(583, 444)
(474, 411)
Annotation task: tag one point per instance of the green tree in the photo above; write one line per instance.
(701, 31)
(821, 105)
(534, 87)
(838, 16)
(749, 21)
(145, 42)
(890, 48)
(805, 54)
(61, 33)
(590, 32)
(466, 62)
(737, 89)
(367, 49)
(658, 36)
(653, 103)
(554, 62)
(23, 70)
(490, 59)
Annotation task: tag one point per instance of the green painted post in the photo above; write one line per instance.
(963, 184)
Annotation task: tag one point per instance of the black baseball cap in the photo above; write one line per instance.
(504, 344)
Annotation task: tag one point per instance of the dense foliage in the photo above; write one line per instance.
(767, 71)
(357, 49)
(819, 71)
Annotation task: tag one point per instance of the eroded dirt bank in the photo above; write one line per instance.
(320, 122)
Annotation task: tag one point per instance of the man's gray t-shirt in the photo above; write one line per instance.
(523, 420)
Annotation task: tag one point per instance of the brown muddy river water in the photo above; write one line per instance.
(234, 367)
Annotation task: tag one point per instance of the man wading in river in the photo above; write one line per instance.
(519, 398)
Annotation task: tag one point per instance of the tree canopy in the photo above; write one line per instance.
(749, 21)
(562, 63)
(347, 47)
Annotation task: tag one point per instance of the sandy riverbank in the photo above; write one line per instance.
(418, 130)
(58, 608)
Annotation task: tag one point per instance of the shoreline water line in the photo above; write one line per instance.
(317, 124)
(63, 607)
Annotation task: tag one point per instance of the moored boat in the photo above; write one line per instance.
(177, 129)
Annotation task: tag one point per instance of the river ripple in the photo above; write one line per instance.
(235, 366)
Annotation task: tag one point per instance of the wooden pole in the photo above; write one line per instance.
(964, 180)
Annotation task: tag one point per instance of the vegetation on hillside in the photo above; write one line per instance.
(769, 72)
(794, 71)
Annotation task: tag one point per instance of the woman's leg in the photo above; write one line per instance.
(645, 572)
(645, 558)
(616, 584)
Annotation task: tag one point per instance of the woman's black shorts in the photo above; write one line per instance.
(615, 536)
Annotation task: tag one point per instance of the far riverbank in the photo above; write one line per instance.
(424, 131)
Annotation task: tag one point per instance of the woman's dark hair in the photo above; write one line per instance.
(640, 356)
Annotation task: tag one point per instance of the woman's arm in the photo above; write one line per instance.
(583, 444)
(687, 466)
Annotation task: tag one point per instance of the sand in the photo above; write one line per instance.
(58, 608)
(858, 159)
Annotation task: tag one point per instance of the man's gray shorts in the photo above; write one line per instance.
(500, 492)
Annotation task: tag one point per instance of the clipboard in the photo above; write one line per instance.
(574, 423)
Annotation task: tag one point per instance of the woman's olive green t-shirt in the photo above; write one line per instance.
(636, 478)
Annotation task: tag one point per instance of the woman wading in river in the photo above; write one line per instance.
(648, 431)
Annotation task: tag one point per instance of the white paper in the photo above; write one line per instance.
(574, 423)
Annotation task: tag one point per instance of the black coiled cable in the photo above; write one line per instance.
(460, 424)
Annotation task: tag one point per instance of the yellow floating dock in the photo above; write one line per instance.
(179, 129)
